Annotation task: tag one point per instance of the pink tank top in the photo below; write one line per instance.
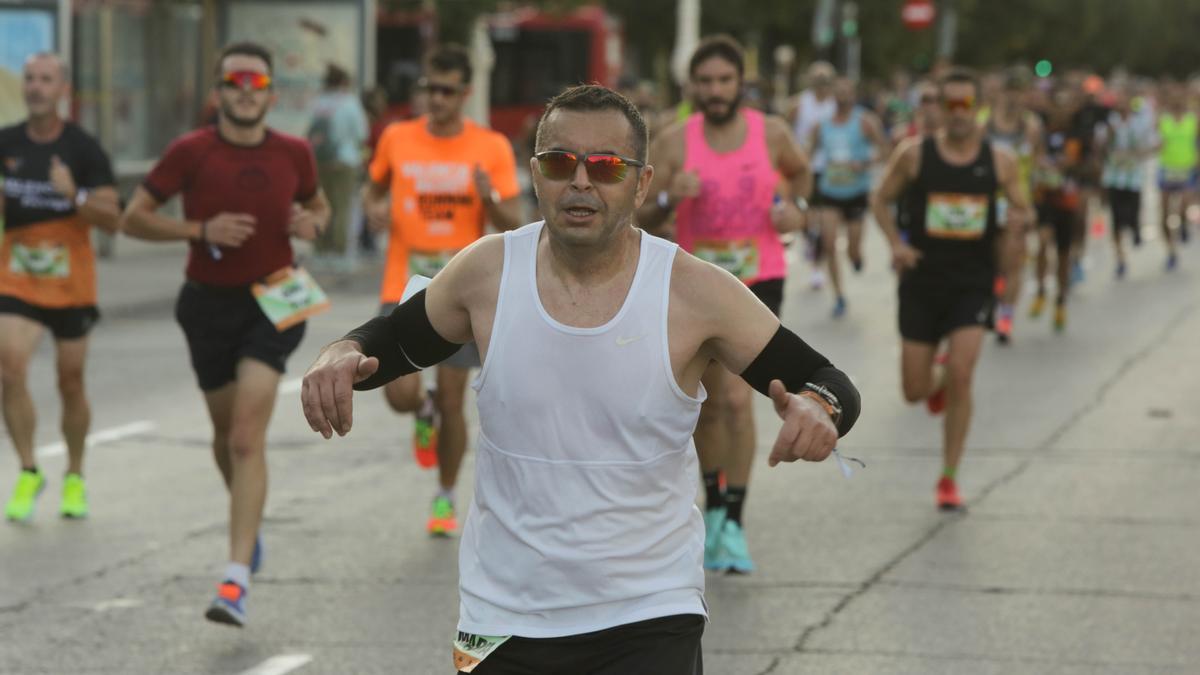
(729, 223)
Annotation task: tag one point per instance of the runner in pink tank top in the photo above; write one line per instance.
(730, 174)
(729, 222)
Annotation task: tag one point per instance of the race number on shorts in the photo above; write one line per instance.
(470, 650)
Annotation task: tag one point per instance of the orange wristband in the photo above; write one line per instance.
(825, 405)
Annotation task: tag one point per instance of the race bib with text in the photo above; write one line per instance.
(290, 296)
(44, 261)
(951, 215)
(739, 257)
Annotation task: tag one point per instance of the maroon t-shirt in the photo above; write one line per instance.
(216, 176)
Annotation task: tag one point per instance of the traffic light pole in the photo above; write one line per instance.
(851, 43)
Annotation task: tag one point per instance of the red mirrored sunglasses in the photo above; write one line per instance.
(602, 167)
(246, 79)
(964, 103)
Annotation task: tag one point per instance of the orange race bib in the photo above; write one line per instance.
(49, 264)
(951, 215)
(46, 260)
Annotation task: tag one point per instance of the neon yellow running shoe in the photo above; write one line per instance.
(1039, 304)
(29, 486)
(442, 521)
(74, 497)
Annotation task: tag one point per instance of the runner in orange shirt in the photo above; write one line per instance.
(58, 182)
(446, 176)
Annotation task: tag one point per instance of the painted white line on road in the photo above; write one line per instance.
(99, 437)
(291, 386)
(278, 665)
(117, 603)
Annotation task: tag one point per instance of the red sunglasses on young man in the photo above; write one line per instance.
(246, 79)
(965, 103)
(602, 167)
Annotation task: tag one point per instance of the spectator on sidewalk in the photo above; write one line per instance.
(338, 133)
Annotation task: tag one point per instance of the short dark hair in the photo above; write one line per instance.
(450, 57)
(336, 76)
(593, 97)
(959, 75)
(722, 46)
(245, 49)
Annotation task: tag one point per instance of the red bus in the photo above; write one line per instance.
(538, 54)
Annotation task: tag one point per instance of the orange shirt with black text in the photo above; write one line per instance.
(436, 211)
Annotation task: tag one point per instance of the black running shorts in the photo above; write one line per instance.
(224, 326)
(1062, 221)
(1126, 210)
(930, 313)
(70, 323)
(770, 291)
(852, 209)
(666, 646)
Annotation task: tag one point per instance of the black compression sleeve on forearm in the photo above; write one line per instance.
(789, 359)
(404, 342)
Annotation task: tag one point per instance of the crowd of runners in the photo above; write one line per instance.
(620, 339)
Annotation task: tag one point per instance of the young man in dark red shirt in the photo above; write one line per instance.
(246, 191)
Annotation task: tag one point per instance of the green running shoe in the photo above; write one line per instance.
(442, 522)
(29, 486)
(74, 497)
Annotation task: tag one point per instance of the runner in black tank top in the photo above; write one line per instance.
(952, 215)
(948, 259)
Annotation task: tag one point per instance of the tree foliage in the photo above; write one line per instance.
(1153, 37)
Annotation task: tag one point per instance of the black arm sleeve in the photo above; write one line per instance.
(789, 359)
(403, 341)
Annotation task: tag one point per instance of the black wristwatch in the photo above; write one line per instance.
(835, 406)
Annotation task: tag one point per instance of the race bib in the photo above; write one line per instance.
(739, 257)
(1048, 178)
(951, 215)
(290, 296)
(1177, 175)
(841, 175)
(44, 261)
(470, 650)
(428, 263)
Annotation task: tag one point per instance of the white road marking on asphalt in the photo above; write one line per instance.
(278, 665)
(291, 386)
(100, 437)
(116, 603)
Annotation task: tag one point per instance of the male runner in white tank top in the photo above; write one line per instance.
(582, 549)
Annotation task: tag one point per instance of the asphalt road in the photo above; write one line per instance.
(1080, 552)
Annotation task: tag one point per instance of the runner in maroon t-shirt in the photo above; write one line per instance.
(246, 191)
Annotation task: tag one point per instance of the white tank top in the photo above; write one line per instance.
(584, 515)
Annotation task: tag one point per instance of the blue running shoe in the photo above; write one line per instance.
(734, 554)
(1172, 262)
(714, 519)
(229, 607)
(839, 308)
(257, 556)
